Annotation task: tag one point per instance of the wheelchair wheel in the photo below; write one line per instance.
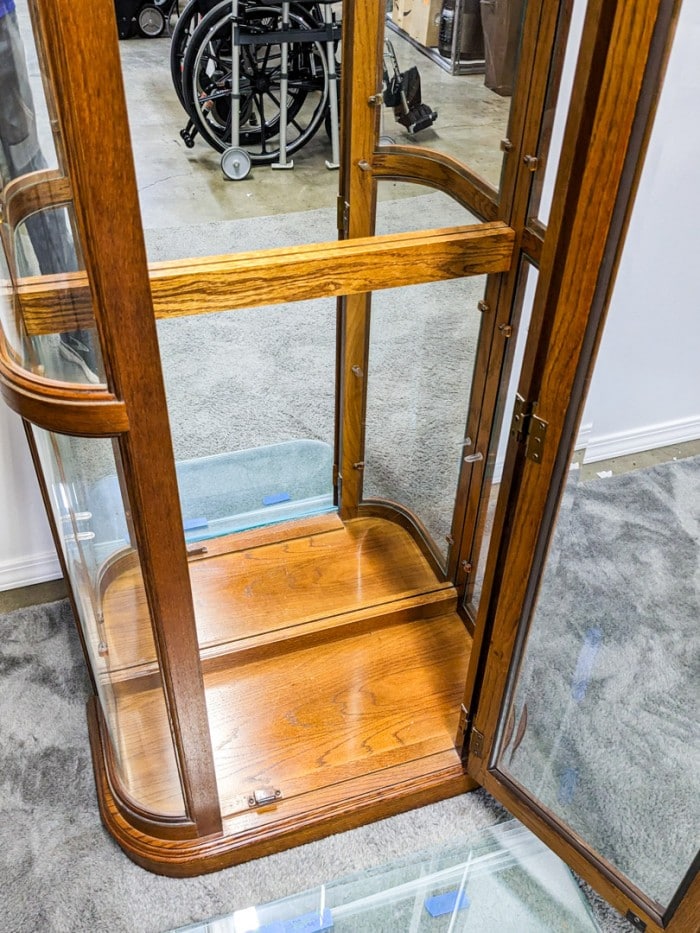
(207, 82)
(151, 21)
(185, 26)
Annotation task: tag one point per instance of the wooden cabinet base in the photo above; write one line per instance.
(375, 797)
(333, 665)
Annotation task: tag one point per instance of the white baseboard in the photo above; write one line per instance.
(650, 437)
(624, 443)
(39, 568)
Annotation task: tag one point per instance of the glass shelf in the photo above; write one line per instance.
(503, 879)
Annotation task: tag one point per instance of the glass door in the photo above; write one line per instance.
(581, 719)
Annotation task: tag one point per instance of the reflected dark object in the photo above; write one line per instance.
(145, 18)
(470, 45)
(502, 26)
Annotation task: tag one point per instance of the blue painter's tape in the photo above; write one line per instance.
(445, 903)
(307, 923)
(276, 497)
(191, 523)
(567, 785)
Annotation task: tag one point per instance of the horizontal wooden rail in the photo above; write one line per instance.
(52, 304)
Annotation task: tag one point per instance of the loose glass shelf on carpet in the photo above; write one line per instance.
(502, 880)
(230, 492)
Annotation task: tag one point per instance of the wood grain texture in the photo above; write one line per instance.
(617, 81)
(440, 172)
(317, 815)
(51, 304)
(33, 192)
(350, 731)
(282, 589)
(106, 205)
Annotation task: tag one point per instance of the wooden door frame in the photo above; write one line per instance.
(624, 48)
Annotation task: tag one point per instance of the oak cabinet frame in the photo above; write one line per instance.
(465, 652)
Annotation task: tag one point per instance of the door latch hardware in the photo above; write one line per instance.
(506, 330)
(357, 371)
(262, 796)
(527, 427)
(360, 465)
(474, 458)
(483, 306)
(506, 145)
(532, 162)
(467, 566)
(636, 921)
(476, 743)
(343, 215)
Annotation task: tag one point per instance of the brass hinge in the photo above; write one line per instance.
(343, 214)
(476, 743)
(528, 428)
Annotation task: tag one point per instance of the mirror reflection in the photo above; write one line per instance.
(279, 145)
(449, 73)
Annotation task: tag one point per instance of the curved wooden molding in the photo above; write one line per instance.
(34, 192)
(182, 857)
(68, 408)
(440, 171)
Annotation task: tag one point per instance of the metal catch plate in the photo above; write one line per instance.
(262, 796)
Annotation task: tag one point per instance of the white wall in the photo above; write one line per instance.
(27, 553)
(645, 392)
(646, 387)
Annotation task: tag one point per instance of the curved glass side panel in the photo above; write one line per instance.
(82, 478)
(449, 73)
(51, 326)
(422, 350)
(46, 309)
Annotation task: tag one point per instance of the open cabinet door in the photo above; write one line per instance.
(578, 710)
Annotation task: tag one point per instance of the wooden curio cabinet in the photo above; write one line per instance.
(319, 656)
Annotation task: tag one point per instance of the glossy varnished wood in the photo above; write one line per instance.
(307, 718)
(106, 205)
(271, 594)
(51, 304)
(373, 797)
(33, 192)
(615, 88)
(440, 172)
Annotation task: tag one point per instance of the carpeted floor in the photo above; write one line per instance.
(62, 873)
(262, 376)
(608, 692)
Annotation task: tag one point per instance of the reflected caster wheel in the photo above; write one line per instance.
(235, 164)
(151, 22)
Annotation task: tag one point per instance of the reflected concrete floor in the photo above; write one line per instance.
(180, 186)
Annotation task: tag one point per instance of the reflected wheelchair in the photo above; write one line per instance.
(257, 80)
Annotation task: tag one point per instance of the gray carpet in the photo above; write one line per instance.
(611, 678)
(261, 376)
(60, 870)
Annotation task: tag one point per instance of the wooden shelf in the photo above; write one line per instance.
(334, 664)
(259, 594)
